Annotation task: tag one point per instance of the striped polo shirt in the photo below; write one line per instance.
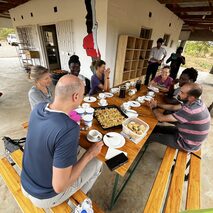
(193, 125)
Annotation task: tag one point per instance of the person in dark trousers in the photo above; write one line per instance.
(74, 65)
(157, 56)
(191, 120)
(176, 60)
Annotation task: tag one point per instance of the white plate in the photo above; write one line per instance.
(90, 99)
(131, 113)
(134, 103)
(148, 98)
(154, 89)
(116, 141)
(103, 105)
(94, 140)
(108, 94)
(141, 99)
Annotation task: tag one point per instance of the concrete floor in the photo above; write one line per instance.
(15, 109)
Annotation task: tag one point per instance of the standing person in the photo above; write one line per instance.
(40, 92)
(157, 56)
(100, 81)
(75, 65)
(163, 81)
(51, 172)
(192, 120)
(176, 60)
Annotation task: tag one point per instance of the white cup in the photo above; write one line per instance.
(132, 92)
(90, 111)
(127, 85)
(151, 93)
(80, 111)
(103, 102)
(114, 90)
(85, 105)
(94, 134)
(132, 83)
(126, 105)
(87, 120)
(101, 95)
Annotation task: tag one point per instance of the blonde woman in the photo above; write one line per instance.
(40, 92)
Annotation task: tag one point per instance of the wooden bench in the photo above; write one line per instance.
(12, 180)
(167, 191)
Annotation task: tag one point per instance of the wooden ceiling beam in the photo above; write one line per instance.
(181, 1)
(190, 9)
(203, 26)
(195, 16)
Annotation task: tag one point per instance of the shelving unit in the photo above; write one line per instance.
(27, 57)
(132, 58)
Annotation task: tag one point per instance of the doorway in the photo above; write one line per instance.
(49, 37)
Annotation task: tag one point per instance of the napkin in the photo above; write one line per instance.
(112, 152)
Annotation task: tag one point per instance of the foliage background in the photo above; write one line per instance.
(4, 32)
(199, 54)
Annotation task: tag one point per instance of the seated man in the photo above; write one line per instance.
(51, 172)
(192, 121)
(188, 75)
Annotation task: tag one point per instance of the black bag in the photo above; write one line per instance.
(12, 145)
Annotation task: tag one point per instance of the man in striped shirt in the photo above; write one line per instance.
(191, 119)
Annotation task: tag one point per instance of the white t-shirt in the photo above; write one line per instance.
(157, 54)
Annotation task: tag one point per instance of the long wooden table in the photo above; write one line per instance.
(133, 150)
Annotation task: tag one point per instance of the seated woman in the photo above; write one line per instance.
(74, 65)
(40, 92)
(100, 81)
(163, 81)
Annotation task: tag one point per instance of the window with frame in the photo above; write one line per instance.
(166, 38)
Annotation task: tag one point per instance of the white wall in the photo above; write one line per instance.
(127, 17)
(114, 17)
(74, 10)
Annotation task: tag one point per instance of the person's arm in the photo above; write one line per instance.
(163, 118)
(169, 59)
(163, 89)
(35, 98)
(154, 104)
(65, 177)
(164, 56)
(106, 84)
(183, 60)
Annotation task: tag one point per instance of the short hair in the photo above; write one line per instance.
(191, 72)
(74, 59)
(160, 40)
(166, 67)
(64, 91)
(36, 72)
(180, 48)
(195, 90)
(98, 63)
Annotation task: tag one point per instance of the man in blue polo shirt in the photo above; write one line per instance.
(51, 172)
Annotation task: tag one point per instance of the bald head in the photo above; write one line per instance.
(67, 86)
(194, 89)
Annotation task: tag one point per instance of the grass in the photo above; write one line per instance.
(199, 63)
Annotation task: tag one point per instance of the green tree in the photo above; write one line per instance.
(5, 31)
(199, 48)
